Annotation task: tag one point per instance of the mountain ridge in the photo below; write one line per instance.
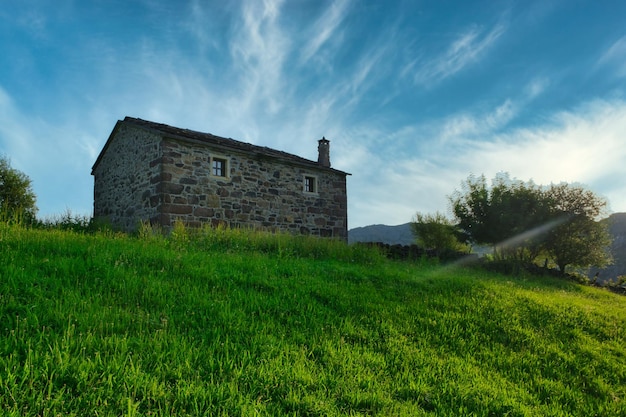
(400, 234)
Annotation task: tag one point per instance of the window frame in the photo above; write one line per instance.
(310, 184)
(224, 166)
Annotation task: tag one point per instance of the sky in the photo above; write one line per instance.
(414, 96)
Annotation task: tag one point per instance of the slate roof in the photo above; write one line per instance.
(228, 143)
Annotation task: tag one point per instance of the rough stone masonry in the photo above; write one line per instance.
(162, 174)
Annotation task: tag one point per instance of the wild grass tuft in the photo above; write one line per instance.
(69, 221)
(284, 245)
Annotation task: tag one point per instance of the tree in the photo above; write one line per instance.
(502, 216)
(577, 238)
(437, 232)
(17, 199)
(522, 220)
(471, 207)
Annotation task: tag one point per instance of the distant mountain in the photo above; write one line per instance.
(617, 228)
(400, 234)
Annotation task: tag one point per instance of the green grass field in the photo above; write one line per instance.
(237, 323)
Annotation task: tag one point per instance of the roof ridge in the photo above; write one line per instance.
(223, 141)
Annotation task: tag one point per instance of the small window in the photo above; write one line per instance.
(310, 184)
(218, 167)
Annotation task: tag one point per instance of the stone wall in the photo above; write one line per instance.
(144, 176)
(257, 192)
(124, 179)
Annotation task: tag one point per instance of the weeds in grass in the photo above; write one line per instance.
(69, 221)
(283, 245)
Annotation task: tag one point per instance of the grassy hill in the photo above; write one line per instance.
(234, 323)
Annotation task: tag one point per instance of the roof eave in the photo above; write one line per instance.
(106, 145)
(229, 144)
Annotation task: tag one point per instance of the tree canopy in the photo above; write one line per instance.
(522, 220)
(17, 199)
(576, 238)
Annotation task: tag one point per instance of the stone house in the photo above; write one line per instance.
(158, 173)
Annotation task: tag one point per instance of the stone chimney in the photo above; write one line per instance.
(323, 149)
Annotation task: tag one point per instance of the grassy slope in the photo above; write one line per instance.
(237, 325)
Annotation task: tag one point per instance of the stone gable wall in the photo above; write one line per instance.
(143, 176)
(124, 180)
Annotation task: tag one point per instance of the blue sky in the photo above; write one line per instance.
(414, 95)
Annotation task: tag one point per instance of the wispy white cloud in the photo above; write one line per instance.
(12, 128)
(466, 49)
(615, 56)
(573, 146)
(259, 52)
(536, 87)
(324, 29)
(365, 68)
(468, 126)
(346, 93)
(197, 25)
(584, 145)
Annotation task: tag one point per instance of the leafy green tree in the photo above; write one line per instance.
(518, 212)
(503, 215)
(436, 232)
(471, 208)
(17, 199)
(522, 220)
(577, 238)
